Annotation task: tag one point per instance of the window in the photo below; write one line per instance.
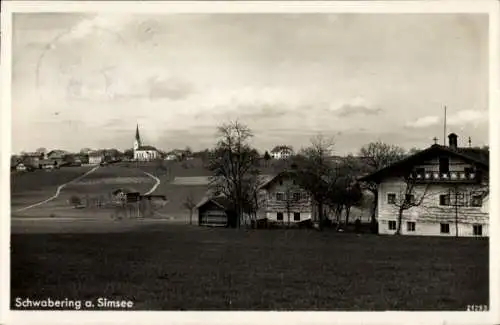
(468, 171)
(476, 200)
(444, 165)
(420, 171)
(279, 216)
(305, 196)
(391, 198)
(410, 226)
(296, 196)
(444, 199)
(281, 182)
(409, 199)
(445, 228)
(459, 199)
(294, 182)
(280, 196)
(392, 225)
(296, 216)
(478, 230)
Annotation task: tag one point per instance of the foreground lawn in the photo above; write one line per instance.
(170, 267)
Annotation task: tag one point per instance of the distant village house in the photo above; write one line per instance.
(282, 152)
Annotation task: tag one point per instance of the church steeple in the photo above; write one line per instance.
(137, 137)
(137, 142)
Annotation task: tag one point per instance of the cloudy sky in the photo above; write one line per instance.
(87, 80)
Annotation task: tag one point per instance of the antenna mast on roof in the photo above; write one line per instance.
(444, 134)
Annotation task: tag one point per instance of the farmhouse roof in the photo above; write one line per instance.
(33, 154)
(479, 157)
(286, 173)
(57, 152)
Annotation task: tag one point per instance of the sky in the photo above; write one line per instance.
(86, 81)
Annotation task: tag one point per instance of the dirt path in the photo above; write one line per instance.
(157, 180)
(58, 191)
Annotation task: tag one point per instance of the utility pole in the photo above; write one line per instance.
(444, 133)
(456, 211)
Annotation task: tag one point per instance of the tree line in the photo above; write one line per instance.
(332, 185)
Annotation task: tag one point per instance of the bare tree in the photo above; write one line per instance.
(190, 204)
(317, 171)
(233, 163)
(378, 155)
(251, 195)
(409, 198)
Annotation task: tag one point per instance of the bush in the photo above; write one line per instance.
(75, 201)
(357, 226)
(306, 224)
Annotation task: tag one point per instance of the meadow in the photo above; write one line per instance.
(32, 187)
(178, 267)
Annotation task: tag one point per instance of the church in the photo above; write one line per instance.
(144, 152)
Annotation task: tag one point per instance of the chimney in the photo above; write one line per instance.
(452, 141)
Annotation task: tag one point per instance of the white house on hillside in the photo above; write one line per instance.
(281, 152)
(445, 190)
(144, 152)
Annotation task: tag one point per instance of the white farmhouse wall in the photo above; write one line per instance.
(269, 206)
(430, 214)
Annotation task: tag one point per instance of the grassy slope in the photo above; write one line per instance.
(34, 188)
(31, 187)
(178, 267)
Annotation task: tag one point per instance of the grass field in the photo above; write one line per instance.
(167, 267)
(33, 187)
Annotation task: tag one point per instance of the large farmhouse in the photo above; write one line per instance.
(284, 200)
(280, 199)
(441, 191)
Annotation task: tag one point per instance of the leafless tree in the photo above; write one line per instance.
(409, 197)
(378, 155)
(190, 204)
(234, 163)
(316, 171)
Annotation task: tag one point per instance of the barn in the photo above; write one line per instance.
(215, 212)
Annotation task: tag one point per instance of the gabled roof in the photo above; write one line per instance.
(286, 173)
(479, 157)
(220, 201)
(147, 148)
(57, 152)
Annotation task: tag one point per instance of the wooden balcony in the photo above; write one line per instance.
(450, 177)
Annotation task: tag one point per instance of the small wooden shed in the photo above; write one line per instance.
(215, 212)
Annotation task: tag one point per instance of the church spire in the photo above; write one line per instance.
(137, 137)
(137, 142)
